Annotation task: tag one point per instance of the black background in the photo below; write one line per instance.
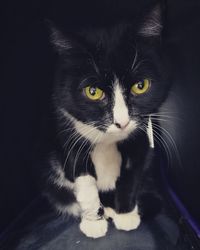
(27, 63)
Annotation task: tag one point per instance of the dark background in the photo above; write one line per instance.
(27, 63)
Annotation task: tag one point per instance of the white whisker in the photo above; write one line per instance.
(135, 59)
(76, 140)
(171, 140)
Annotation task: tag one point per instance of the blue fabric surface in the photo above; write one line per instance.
(51, 233)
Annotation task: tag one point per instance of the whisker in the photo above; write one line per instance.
(171, 140)
(160, 119)
(77, 156)
(65, 130)
(72, 137)
(162, 143)
(152, 115)
(137, 66)
(165, 146)
(87, 78)
(78, 138)
(82, 130)
(135, 59)
(84, 143)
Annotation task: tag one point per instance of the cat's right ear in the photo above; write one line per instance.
(58, 39)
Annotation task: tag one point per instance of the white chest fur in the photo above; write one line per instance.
(107, 161)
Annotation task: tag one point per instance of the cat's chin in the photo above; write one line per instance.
(113, 135)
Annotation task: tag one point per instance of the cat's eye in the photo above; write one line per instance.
(94, 93)
(140, 87)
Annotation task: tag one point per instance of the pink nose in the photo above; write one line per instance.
(121, 125)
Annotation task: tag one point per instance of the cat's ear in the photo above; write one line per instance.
(152, 24)
(58, 39)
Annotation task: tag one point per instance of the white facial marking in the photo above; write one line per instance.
(120, 110)
(90, 132)
(120, 116)
(107, 161)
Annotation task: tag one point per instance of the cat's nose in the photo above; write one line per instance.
(122, 125)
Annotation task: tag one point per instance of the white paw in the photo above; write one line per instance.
(126, 221)
(94, 228)
(109, 212)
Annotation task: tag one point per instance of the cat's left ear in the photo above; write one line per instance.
(58, 39)
(152, 24)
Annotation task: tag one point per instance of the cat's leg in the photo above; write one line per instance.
(93, 224)
(134, 178)
(60, 191)
(79, 198)
(125, 216)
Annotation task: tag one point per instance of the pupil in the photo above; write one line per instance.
(93, 91)
(140, 85)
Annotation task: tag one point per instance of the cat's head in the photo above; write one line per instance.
(110, 79)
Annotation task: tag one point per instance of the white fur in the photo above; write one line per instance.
(93, 134)
(114, 134)
(94, 229)
(88, 199)
(107, 161)
(87, 196)
(126, 221)
(120, 110)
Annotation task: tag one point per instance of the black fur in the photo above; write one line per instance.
(96, 55)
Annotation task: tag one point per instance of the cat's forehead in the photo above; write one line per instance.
(108, 38)
(111, 46)
(116, 63)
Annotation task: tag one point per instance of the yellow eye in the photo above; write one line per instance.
(140, 87)
(94, 93)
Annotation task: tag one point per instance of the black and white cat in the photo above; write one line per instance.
(108, 82)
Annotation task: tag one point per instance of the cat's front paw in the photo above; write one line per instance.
(94, 228)
(125, 221)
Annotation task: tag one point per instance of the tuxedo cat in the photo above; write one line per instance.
(109, 80)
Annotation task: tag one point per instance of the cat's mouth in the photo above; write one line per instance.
(116, 128)
(115, 133)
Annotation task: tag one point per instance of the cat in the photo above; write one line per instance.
(108, 82)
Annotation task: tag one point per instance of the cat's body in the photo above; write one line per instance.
(100, 165)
